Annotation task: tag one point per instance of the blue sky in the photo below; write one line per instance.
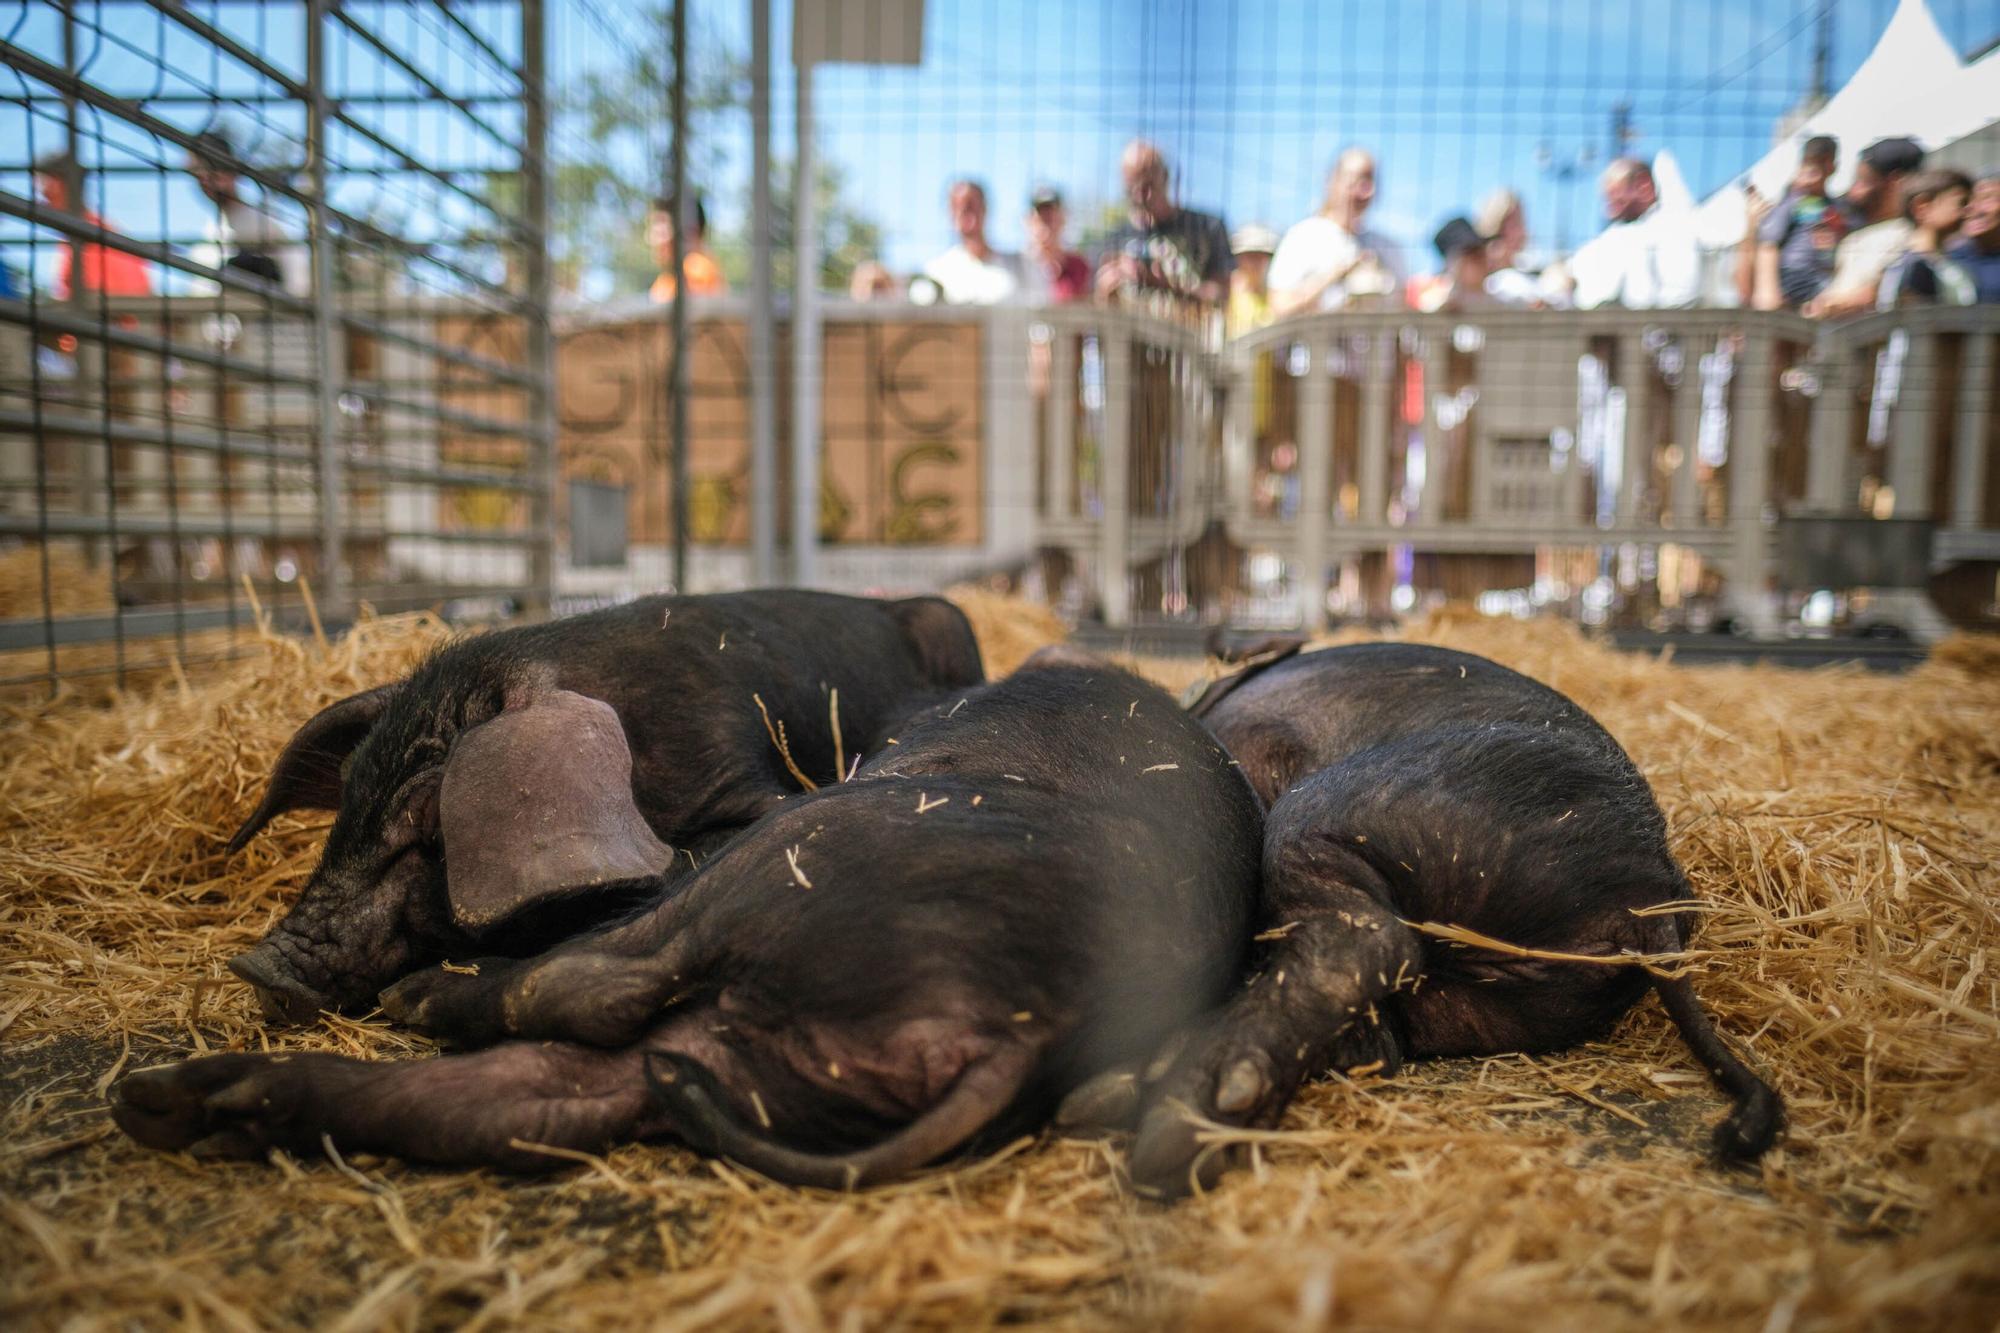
(1250, 98)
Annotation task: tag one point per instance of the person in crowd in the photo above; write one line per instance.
(1875, 208)
(1461, 285)
(1055, 273)
(871, 281)
(972, 272)
(1333, 259)
(1934, 202)
(246, 238)
(1977, 250)
(1162, 247)
(704, 275)
(1503, 222)
(1646, 258)
(1249, 288)
(106, 269)
(1798, 237)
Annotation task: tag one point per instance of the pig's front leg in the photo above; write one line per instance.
(1334, 954)
(602, 989)
(467, 1110)
(572, 993)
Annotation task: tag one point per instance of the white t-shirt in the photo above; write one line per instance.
(968, 280)
(242, 227)
(1512, 287)
(1319, 245)
(1865, 255)
(1650, 263)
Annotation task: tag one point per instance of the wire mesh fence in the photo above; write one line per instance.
(1162, 311)
(275, 341)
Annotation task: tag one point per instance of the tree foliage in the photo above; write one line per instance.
(613, 134)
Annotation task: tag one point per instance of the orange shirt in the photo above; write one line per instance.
(107, 270)
(704, 277)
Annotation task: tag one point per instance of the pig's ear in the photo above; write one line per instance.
(943, 640)
(537, 804)
(307, 774)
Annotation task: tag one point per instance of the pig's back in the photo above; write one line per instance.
(1315, 709)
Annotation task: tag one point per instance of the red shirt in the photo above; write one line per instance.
(1068, 280)
(107, 270)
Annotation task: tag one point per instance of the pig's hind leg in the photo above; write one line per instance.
(1332, 952)
(462, 1110)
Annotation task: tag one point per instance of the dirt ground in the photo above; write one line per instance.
(1843, 828)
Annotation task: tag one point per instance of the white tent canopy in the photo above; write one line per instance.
(1912, 84)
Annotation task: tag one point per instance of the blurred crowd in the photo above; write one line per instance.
(1901, 235)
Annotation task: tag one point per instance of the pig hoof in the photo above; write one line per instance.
(1106, 1102)
(1241, 1088)
(450, 1006)
(1168, 1158)
(227, 1106)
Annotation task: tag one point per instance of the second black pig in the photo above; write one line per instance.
(688, 691)
(1044, 877)
(1411, 785)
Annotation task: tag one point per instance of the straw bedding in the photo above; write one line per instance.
(1843, 827)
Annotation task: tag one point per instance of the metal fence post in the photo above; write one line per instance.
(326, 407)
(545, 468)
(763, 341)
(805, 337)
(1315, 482)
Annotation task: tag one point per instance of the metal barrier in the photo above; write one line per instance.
(1631, 466)
(303, 355)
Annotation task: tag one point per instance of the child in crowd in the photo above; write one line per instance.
(1797, 238)
(1249, 285)
(1924, 275)
(704, 275)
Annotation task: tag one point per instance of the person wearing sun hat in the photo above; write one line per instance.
(1253, 244)
(1462, 284)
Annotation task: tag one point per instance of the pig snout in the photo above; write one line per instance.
(285, 999)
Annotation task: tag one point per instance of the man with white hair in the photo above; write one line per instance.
(1646, 258)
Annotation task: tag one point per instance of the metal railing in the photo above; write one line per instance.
(1623, 465)
(303, 358)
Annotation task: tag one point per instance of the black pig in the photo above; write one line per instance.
(678, 680)
(1042, 878)
(1406, 785)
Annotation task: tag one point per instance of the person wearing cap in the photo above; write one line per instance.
(1249, 292)
(972, 272)
(1332, 259)
(1462, 284)
(1054, 274)
(1875, 201)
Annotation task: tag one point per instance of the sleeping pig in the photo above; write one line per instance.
(1410, 785)
(693, 688)
(1042, 878)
